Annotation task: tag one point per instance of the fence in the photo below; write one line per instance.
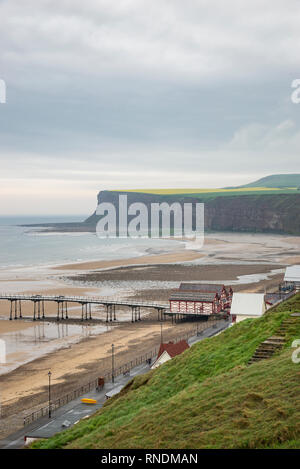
(107, 375)
(282, 297)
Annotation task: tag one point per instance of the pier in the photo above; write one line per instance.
(38, 310)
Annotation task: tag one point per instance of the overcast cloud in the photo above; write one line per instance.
(135, 93)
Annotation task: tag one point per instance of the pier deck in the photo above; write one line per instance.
(86, 303)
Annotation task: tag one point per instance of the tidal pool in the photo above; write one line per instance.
(22, 346)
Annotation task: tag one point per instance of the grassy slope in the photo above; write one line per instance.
(205, 398)
(276, 180)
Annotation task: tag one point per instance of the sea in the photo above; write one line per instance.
(29, 251)
(22, 246)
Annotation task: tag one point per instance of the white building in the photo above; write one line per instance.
(114, 391)
(292, 275)
(247, 305)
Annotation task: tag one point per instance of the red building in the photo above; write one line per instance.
(200, 298)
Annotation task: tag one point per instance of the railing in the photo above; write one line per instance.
(107, 375)
(43, 411)
(61, 401)
(283, 297)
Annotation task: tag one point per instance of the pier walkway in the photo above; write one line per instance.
(86, 303)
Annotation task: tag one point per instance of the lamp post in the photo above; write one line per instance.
(49, 391)
(112, 363)
(161, 333)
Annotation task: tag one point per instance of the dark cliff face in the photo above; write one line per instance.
(132, 197)
(252, 213)
(263, 213)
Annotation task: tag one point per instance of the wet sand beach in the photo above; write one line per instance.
(179, 256)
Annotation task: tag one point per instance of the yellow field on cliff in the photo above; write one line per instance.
(202, 191)
(213, 192)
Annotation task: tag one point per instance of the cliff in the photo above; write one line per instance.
(264, 213)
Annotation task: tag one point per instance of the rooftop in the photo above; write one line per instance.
(202, 287)
(181, 295)
(173, 349)
(248, 304)
(292, 273)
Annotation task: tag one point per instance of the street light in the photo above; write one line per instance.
(49, 391)
(112, 364)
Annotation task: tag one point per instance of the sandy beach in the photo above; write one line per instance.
(248, 263)
(178, 256)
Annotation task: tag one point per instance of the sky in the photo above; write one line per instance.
(143, 94)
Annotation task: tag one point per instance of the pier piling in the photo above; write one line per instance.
(16, 302)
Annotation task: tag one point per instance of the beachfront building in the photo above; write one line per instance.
(247, 305)
(292, 276)
(168, 351)
(200, 299)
